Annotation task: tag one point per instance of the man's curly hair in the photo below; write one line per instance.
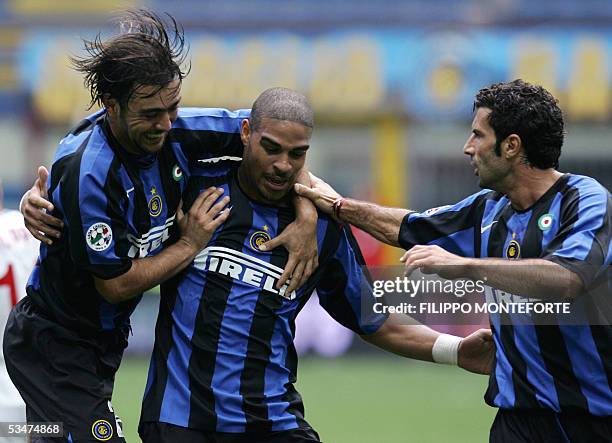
(147, 52)
(529, 111)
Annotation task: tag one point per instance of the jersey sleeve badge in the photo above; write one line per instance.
(99, 236)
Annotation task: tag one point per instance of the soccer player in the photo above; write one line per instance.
(531, 231)
(116, 182)
(224, 365)
(18, 253)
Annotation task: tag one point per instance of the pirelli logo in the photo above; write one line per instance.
(242, 267)
(149, 242)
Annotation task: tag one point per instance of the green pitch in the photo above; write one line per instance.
(363, 399)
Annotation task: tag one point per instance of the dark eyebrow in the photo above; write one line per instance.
(151, 110)
(269, 141)
(277, 145)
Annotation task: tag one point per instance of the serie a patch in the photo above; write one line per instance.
(99, 236)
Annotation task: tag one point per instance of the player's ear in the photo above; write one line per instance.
(511, 146)
(245, 131)
(111, 105)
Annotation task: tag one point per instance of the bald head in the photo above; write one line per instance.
(281, 104)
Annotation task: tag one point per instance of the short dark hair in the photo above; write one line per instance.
(531, 112)
(281, 104)
(148, 51)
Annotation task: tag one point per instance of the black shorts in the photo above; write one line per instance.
(529, 426)
(62, 376)
(156, 432)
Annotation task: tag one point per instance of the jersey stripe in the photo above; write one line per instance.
(554, 348)
(588, 368)
(207, 332)
(514, 388)
(175, 407)
(541, 381)
(259, 345)
(215, 130)
(557, 359)
(158, 372)
(210, 119)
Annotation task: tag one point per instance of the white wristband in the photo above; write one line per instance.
(446, 349)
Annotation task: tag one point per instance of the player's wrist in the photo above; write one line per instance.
(188, 245)
(306, 211)
(472, 268)
(445, 349)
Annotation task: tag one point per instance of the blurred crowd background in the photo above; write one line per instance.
(391, 81)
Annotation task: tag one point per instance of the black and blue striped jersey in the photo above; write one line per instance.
(561, 367)
(224, 358)
(117, 207)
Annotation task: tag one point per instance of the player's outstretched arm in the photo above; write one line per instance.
(197, 228)
(381, 222)
(473, 353)
(300, 240)
(532, 277)
(35, 208)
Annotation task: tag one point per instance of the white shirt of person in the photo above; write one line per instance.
(18, 253)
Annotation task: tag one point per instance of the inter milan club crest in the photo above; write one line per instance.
(177, 173)
(102, 430)
(155, 204)
(258, 238)
(513, 250)
(99, 236)
(545, 222)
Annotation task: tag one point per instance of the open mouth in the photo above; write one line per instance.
(276, 182)
(155, 138)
